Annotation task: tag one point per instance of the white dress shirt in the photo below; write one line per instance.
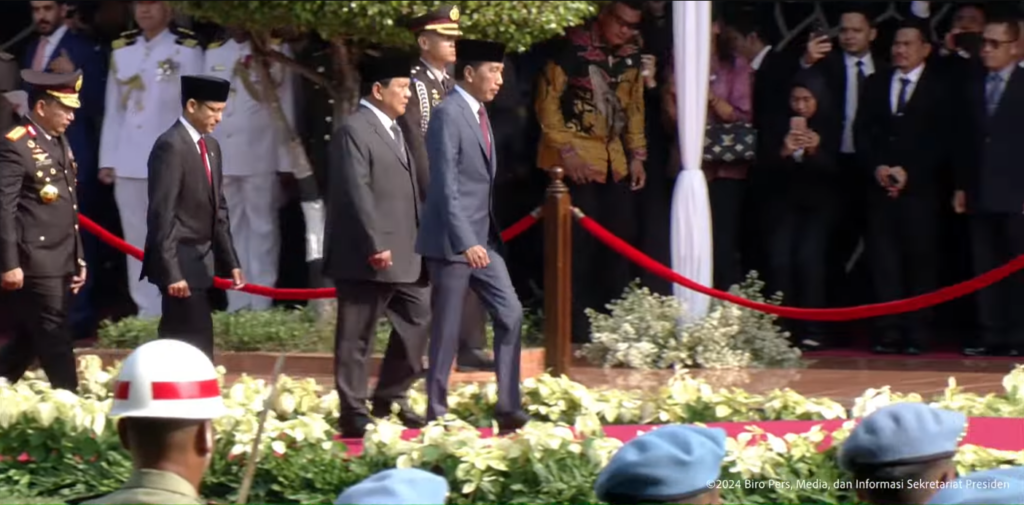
(852, 94)
(194, 133)
(759, 59)
(894, 88)
(384, 119)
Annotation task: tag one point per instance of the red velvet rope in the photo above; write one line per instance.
(844, 314)
(278, 294)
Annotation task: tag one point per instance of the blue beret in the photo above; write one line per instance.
(671, 462)
(903, 433)
(400, 486)
(1002, 486)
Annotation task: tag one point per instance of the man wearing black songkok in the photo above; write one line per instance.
(188, 217)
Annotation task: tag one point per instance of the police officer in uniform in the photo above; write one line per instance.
(436, 33)
(41, 256)
(170, 435)
(673, 464)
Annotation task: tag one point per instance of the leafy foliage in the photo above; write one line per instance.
(275, 330)
(642, 331)
(518, 24)
(60, 445)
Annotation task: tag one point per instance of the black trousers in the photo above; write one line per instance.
(600, 275)
(996, 239)
(726, 198)
(796, 238)
(360, 306)
(40, 329)
(189, 319)
(849, 288)
(901, 245)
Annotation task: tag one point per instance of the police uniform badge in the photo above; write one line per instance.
(49, 194)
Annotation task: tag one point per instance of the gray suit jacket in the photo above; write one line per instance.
(372, 204)
(459, 211)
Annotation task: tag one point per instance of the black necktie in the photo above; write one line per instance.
(901, 101)
(861, 76)
(399, 139)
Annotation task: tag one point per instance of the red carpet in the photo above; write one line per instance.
(1005, 434)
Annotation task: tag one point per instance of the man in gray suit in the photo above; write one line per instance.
(459, 235)
(372, 216)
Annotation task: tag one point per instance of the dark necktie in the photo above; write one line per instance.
(206, 160)
(901, 101)
(485, 128)
(861, 76)
(397, 132)
(993, 93)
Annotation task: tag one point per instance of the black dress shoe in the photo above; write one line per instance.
(913, 350)
(510, 423)
(976, 351)
(885, 349)
(354, 427)
(474, 360)
(405, 415)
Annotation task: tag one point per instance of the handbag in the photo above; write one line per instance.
(727, 143)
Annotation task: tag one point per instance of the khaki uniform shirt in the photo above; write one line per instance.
(151, 487)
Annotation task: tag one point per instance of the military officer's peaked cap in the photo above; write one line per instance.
(384, 66)
(64, 87)
(479, 50)
(666, 465)
(398, 486)
(444, 20)
(203, 88)
(903, 433)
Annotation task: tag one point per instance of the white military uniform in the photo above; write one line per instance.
(143, 100)
(254, 150)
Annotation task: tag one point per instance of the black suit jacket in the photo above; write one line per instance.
(833, 69)
(38, 235)
(989, 147)
(188, 227)
(919, 140)
(772, 82)
(373, 203)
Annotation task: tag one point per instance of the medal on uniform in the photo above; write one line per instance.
(48, 194)
(31, 144)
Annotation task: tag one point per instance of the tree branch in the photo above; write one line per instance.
(316, 78)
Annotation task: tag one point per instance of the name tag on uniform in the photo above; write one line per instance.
(218, 68)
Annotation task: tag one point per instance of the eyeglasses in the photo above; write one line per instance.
(996, 43)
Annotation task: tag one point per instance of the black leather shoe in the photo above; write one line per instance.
(405, 415)
(354, 427)
(976, 351)
(912, 350)
(885, 349)
(510, 423)
(474, 360)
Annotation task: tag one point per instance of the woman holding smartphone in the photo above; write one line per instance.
(802, 185)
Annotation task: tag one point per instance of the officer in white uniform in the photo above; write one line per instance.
(143, 100)
(255, 150)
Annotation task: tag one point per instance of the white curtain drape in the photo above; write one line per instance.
(691, 213)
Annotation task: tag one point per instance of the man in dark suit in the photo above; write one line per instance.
(58, 49)
(41, 260)
(459, 235)
(436, 33)
(373, 213)
(188, 227)
(845, 71)
(902, 132)
(990, 185)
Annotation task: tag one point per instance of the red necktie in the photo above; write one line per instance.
(485, 129)
(206, 161)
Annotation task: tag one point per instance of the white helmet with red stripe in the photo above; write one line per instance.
(168, 379)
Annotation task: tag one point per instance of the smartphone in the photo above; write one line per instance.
(798, 123)
(893, 180)
(818, 30)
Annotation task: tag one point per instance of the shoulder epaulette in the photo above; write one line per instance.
(214, 45)
(276, 41)
(185, 37)
(16, 133)
(127, 38)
